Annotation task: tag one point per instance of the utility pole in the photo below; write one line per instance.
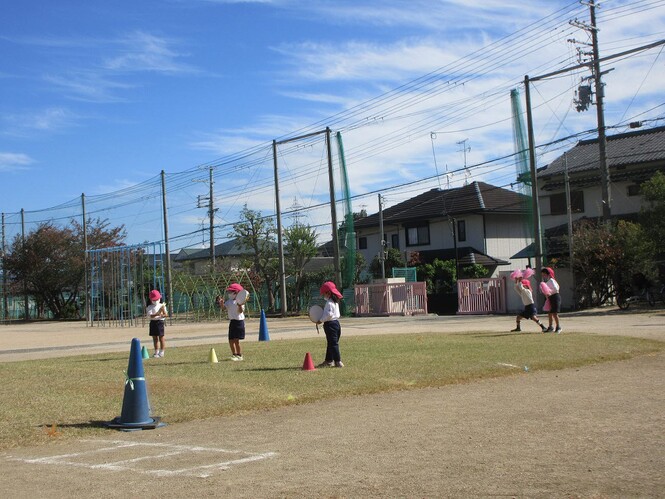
(569, 214)
(167, 249)
(280, 244)
(26, 305)
(600, 113)
(5, 312)
(382, 240)
(596, 75)
(85, 261)
(211, 212)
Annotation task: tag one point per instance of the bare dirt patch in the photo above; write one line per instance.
(589, 432)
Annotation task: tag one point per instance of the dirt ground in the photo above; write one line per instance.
(590, 432)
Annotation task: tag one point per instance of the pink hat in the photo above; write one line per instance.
(235, 288)
(329, 287)
(154, 295)
(526, 284)
(548, 271)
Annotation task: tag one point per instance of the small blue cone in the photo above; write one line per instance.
(263, 328)
(135, 413)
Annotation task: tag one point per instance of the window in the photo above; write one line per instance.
(362, 243)
(394, 241)
(633, 190)
(558, 203)
(461, 230)
(417, 235)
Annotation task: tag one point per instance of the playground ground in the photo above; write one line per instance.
(594, 432)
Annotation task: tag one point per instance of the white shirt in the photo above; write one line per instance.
(330, 311)
(232, 309)
(553, 285)
(153, 308)
(525, 294)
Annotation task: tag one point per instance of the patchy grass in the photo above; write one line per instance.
(77, 394)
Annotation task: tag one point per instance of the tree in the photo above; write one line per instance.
(393, 259)
(50, 264)
(258, 235)
(440, 276)
(607, 257)
(299, 249)
(653, 216)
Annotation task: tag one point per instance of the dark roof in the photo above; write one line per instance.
(642, 147)
(319, 263)
(466, 255)
(476, 197)
(230, 248)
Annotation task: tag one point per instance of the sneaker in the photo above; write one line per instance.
(339, 364)
(549, 330)
(161, 354)
(156, 356)
(234, 357)
(516, 330)
(239, 357)
(325, 364)
(543, 328)
(558, 330)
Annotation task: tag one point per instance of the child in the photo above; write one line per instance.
(236, 320)
(157, 313)
(331, 325)
(523, 288)
(554, 299)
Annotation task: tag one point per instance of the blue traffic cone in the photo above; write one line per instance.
(263, 328)
(135, 413)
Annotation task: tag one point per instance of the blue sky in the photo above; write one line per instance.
(99, 97)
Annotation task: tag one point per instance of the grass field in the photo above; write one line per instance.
(77, 394)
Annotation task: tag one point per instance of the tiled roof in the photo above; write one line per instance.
(228, 248)
(476, 197)
(466, 255)
(631, 148)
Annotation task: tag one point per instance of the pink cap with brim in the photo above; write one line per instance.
(329, 287)
(154, 295)
(526, 283)
(235, 288)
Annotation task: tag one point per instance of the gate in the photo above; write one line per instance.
(403, 298)
(481, 296)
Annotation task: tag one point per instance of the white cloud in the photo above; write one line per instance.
(54, 119)
(147, 52)
(10, 161)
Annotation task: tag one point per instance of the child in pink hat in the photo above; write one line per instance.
(156, 311)
(523, 288)
(236, 319)
(330, 319)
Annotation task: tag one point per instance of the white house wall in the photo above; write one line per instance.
(622, 204)
(506, 236)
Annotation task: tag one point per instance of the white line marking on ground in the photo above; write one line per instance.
(170, 450)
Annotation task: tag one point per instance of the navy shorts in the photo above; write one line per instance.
(529, 311)
(236, 329)
(555, 303)
(157, 328)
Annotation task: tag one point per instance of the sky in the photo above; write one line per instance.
(99, 98)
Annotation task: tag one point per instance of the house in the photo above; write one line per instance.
(632, 158)
(477, 223)
(232, 251)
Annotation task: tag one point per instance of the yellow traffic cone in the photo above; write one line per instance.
(212, 358)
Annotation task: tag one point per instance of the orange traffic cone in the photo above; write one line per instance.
(308, 365)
